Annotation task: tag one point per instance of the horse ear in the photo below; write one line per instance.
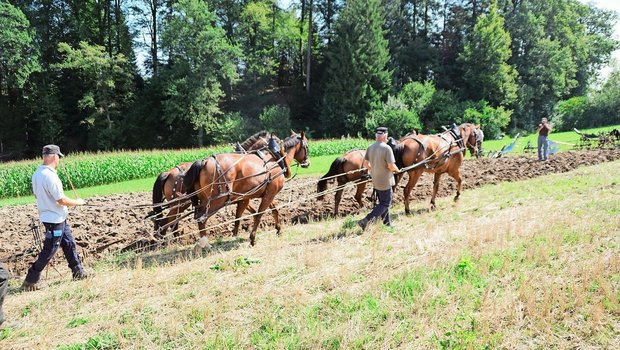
(293, 132)
(303, 134)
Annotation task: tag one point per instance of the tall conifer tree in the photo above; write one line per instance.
(357, 74)
(488, 75)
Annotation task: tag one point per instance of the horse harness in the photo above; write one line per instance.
(224, 187)
(178, 179)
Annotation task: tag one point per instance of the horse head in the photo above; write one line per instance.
(298, 144)
(467, 132)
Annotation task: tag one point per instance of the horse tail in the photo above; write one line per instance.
(335, 169)
(399, 150)
(158, 197)
(191, 176)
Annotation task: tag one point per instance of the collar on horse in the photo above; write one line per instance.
(179, 179)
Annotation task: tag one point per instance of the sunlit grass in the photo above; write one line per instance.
(537, 271)
(568, 139)
(319, 164)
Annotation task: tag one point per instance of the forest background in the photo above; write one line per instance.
(139, 74)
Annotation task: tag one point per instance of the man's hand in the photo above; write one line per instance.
(70, 202)
(393, 167)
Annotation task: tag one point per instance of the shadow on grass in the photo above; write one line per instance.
(161, 255)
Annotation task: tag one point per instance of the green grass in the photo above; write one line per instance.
(567, 137)
(540, 273)
(318, 166)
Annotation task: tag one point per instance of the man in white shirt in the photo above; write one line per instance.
(52, 205)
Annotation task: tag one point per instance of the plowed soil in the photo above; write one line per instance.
(108, 225)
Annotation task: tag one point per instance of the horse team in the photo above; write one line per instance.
(258, 168)
(438, 154)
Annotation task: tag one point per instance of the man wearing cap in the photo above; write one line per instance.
(382, 165)
(52, 205)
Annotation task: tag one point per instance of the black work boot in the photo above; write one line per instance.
(362, 224)
(79, 274)
(31, 287)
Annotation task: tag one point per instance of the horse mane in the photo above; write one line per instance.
(249, 142)
(291, 141)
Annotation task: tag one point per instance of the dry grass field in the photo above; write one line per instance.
(531, 264)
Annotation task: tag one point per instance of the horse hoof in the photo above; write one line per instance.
(203, 243)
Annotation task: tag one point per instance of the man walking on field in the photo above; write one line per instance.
(381, 164)
(52, 205)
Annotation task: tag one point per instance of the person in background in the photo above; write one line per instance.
(543, 144)
(382, 166)
(52, 205)
(479, 139)
(4, 281)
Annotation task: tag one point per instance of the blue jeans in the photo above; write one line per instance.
(543, 147)
(381, 209)
(4, 281)
(56, 236)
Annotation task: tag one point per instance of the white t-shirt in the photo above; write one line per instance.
(47, 188)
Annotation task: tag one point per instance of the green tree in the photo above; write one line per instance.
(19, 59)
(488, 75)
(492, 120)
(18, 53)
(104, 78)
(606, 102)
(395, 115)
(201, 58)
(357, 74)
(277, 120)
(418, 96)
(571, 113)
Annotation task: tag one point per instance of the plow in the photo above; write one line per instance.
(601, 140)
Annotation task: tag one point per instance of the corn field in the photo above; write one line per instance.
(93, 169)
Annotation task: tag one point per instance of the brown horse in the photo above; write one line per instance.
(468, 133)
(255, 142)
(352, 161)
(228, 178)
(442, 153)
(169, 186)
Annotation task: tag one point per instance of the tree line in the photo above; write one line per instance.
(129, 74)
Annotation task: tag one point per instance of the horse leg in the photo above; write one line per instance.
(397, 178)
(241, 206)
(435, 189)
(456, 175)
(414, 176)
(276, 216)
(203, 242)
(337, 200)
(264, 204)
(359, 193)
(174, 215)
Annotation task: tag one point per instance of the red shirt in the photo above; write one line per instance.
(544, 130)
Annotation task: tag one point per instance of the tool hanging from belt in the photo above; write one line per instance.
(36, 235)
